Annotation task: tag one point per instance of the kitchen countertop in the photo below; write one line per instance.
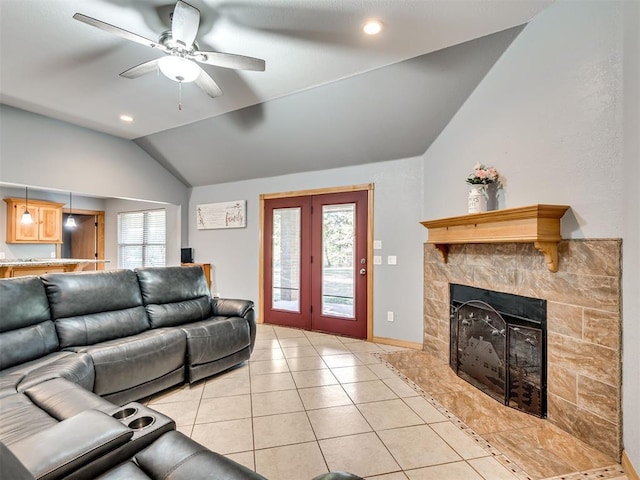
(45, 262)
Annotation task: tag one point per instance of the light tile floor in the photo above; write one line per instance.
(307, 403)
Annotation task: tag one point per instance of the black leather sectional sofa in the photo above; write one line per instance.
(78, 350)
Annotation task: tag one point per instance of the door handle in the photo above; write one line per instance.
(363, 271)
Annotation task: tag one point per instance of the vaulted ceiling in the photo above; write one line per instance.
(330, 96)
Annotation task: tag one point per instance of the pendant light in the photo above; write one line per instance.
(26, 216)
(71, 222)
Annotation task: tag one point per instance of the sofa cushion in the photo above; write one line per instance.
(9, 383)
(94, 307)
(24, 303)
(20, 418)
(28, 343)
(26, 330)
(125, 363)
(76, 368)
(174, 295)
(100, 327)
(74, 294)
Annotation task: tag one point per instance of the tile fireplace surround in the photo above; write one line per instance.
(583, 321)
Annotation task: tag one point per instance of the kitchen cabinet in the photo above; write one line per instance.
(46, 226)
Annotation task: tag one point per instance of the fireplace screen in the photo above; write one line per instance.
(498, 344)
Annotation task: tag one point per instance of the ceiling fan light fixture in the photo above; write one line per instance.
(179, 69)
(372, 27)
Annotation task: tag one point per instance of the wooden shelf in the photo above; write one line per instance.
(537, 224)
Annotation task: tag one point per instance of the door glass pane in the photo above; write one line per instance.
(286, 259)
(338, 259)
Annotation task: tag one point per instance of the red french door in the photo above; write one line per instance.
(315, 262)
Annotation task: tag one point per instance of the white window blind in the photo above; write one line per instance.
(142, 238)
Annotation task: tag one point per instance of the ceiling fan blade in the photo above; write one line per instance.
(142, 69)
(229, 60)
(206, 83)
(185, 23)
(118, 31)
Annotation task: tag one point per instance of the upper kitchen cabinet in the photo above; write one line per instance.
(46, 226)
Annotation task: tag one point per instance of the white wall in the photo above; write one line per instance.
(549, 116)
(234, 253)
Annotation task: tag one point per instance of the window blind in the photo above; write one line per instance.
(142, 238)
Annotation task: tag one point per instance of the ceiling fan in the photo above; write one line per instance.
(181, 51)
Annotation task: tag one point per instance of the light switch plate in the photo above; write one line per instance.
(392, 260)
(377, 244)
(377, 260)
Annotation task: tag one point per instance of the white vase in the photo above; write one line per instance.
(477, 198)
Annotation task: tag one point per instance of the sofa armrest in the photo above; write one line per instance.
(237, 308)
(59, 450)
(230, 307)
(11, 467)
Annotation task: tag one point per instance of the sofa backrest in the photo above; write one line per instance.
(26, 329)
(174, 295)
(94, 307)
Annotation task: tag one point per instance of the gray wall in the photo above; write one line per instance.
(549, 116)
(234, 253)
(45, 153)
(631, 233)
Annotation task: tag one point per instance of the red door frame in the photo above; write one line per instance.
(265, 239)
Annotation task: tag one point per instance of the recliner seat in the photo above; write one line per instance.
(219, 334)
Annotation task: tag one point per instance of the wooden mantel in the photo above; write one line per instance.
(537, 224)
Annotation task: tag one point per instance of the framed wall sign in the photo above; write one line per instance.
(222, 215)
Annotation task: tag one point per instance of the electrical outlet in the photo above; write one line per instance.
(53, 254)
(392, 260)
(390, 317)
(1, 255)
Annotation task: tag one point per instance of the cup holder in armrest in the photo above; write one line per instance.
(141, 422)
(125, 413)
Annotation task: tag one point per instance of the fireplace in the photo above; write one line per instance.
(583, 322)
(499, 345)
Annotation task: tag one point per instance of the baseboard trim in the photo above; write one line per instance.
(397, 343)
(628, 468)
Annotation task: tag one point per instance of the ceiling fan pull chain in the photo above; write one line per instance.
(179, 95)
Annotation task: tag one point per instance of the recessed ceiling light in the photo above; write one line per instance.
(126, 118)
(372, 27)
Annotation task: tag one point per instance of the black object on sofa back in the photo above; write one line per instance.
(25, 322)
(95, 307)
(174, 295)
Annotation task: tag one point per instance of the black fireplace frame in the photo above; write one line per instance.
(516, 310)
